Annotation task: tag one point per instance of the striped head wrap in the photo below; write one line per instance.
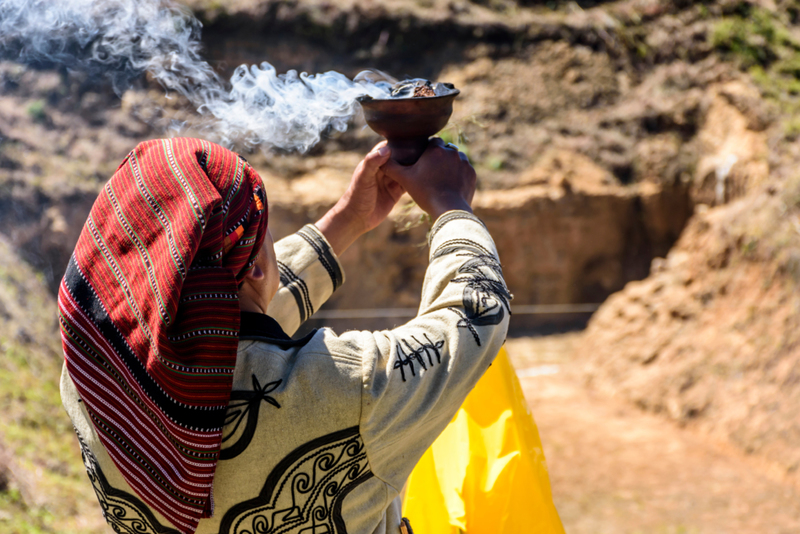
(149, 314)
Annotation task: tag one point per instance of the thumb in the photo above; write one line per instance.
(376, 158)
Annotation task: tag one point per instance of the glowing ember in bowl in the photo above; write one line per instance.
(415, 110)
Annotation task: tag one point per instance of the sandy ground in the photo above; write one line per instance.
(615, 469)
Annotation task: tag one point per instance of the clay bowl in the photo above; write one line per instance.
(407, 123)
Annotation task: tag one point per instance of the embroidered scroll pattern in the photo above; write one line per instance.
(124, 512)
(245, 405)
(417, 356)
(486, 297)
(304, 493)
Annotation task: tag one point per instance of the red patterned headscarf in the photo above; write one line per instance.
(149, 314)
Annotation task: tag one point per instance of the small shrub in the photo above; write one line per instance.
(749, 247)
(495, 163)
(453, 133)
(36, 111)
(728, 34)
(790, 66)
(753, 39)
(448, 135)
(762, 23)
(767, 83)
(791, 128)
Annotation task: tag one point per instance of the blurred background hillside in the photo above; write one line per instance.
(640, 155)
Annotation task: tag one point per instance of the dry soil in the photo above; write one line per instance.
(616, 469)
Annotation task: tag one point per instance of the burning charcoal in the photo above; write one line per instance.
(411, 88)
(419, 88)
(424, 90)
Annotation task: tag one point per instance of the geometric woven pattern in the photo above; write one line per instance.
(150, 317)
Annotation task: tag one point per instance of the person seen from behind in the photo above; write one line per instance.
(195, 409)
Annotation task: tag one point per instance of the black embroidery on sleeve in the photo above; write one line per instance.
(451, 216)
(324, 254)
(299, 290)
(123, 512)
(486, 297)
(304, 492)
(465, 322)
(402, 361)
(245, 404)
(459, 245)
(415, 355)
(485, 274)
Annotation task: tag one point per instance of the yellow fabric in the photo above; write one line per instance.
(486, 473)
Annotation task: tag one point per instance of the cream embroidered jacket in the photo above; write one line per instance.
(322, 432)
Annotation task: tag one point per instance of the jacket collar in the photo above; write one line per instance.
(260, 327)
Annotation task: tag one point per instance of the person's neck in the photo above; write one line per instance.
(248, 304)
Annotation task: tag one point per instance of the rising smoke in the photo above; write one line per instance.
(122, 39)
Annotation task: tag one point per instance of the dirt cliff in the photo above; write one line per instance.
(710, 338)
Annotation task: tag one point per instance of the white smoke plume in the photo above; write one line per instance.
(122, 39)
(288, 111)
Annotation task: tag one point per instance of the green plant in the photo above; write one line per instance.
(731, 35)
(791, 128)
(40, 436)
(789, 66)
(36, 111)
(749, 247)
(407, 221)
(454, 132)
(495, 163)
(756, 37)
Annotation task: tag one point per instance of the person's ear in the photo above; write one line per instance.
(256, 273)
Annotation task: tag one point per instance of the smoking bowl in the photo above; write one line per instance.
(408, 122)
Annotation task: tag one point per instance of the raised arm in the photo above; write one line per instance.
(308, 260)
(415, 377)
(366, 203)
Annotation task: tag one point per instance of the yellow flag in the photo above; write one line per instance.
(486, 473)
